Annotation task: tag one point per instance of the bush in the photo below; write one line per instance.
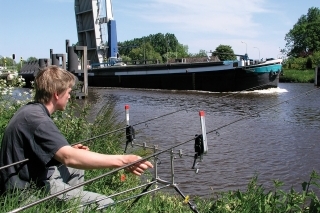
(301, 63)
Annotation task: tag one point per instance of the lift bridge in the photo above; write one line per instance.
(95, 23)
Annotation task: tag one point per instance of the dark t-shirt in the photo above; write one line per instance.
(31, 134)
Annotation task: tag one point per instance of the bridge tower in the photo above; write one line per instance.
(94, 20)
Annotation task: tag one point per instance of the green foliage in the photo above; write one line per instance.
(224, 52)
(9, 104)
(155, 45)
(201, 53)
(295, 63)
(74, 119)
(255, 199)
(126, 58)
(297, 76)
(315, 58)
(144, 52)
(32, 59)
(6, 62)
(301, 63)
(304, 38)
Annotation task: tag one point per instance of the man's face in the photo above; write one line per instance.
(63, 100)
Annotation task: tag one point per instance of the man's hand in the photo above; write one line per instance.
(80, 146)
(138, 168)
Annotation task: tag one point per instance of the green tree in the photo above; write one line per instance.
(201, 53)
(126, 46)
(224, 52)
(6, 61)
(304, 38)
(182, 51)
(316, 59)
(32, 59)
(166, 45)
(144, 52)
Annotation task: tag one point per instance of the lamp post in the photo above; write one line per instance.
(167, 50)
(246, 46)
(258, 50)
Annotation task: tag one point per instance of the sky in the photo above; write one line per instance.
(30, 28)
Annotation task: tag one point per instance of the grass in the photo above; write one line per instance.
(297, 76)
(74, 125)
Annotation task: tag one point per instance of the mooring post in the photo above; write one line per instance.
(84, 69)
(73, 67)
(317, 76)
(51, 52)
(43, 62)
(56, 60)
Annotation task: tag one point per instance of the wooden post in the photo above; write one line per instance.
(84, 70)
(317, 76)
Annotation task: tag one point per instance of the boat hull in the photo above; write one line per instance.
(215, 76)
(218, 81)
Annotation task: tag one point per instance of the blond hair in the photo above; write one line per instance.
(50, 80)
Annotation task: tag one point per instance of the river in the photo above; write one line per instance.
(276, 135)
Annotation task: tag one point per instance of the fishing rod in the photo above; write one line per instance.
(18, 162)
(149, 156)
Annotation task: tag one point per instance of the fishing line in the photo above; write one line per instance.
(86, 141)
(164, 115)
(147, 157)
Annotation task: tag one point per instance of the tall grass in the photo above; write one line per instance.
(297, 76)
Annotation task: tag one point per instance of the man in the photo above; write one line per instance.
(53, 163)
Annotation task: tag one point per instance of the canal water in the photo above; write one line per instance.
(270, 133)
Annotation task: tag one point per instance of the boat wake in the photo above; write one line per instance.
(267, 91)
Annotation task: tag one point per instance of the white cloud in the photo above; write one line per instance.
(202, 16)
(201, 24)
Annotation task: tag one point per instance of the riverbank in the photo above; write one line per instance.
(254, 198)
(297, 76)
